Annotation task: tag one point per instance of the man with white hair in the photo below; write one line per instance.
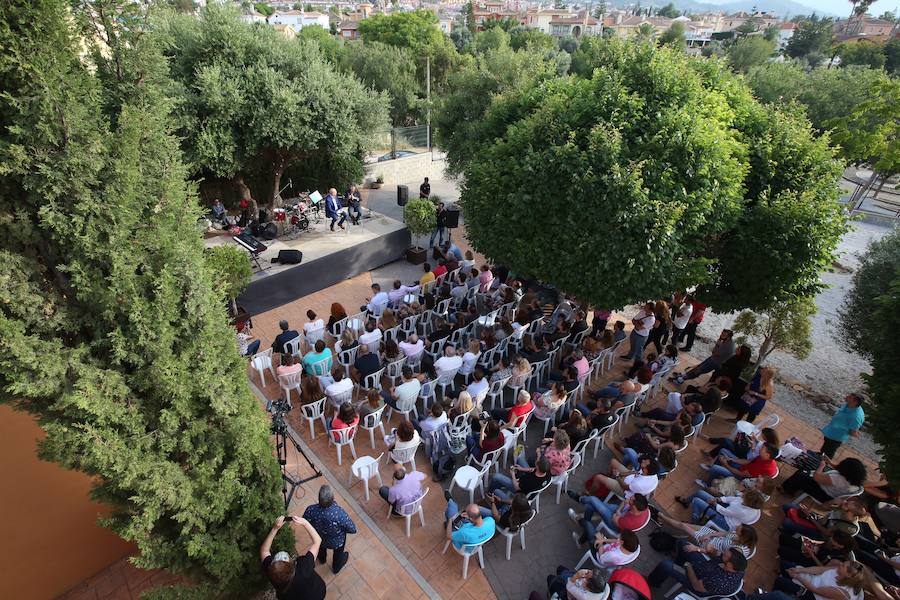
(448, 363)
(334, 210)
(412, 346)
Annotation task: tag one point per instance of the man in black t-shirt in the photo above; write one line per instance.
(425, 189)
(521, 479)
(293, 580)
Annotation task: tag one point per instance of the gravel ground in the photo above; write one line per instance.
(805, 387)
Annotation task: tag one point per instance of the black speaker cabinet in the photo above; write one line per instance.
(402, 195)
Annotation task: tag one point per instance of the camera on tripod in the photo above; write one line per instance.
(279, 408)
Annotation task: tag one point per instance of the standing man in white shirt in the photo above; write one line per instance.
(643, 322)
(683, 314)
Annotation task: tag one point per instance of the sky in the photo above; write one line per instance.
(842, 7)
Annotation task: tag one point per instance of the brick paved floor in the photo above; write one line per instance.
(375, 572)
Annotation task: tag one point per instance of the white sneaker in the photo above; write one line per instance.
(573, 515)
(700, 482)
(704, 466)
(575, 537)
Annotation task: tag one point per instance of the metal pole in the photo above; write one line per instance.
(428, 99)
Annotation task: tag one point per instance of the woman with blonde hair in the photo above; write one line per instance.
(760, 391)
(521, 369)
(548, 403)
(346, 342)
(843, 581)
(470, 357)
(463, 405)
(387, 320)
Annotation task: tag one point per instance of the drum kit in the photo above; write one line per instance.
(295, 216)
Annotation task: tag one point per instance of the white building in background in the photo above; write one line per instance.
(298, 19)
(254, 17)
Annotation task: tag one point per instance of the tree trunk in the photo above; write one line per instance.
(765, 350)
(244, 194)
(279, 164)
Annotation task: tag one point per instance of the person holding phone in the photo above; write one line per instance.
(293, 579)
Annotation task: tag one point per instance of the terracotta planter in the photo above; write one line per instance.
(416, 255)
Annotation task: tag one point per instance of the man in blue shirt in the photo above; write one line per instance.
(286, 335)
(332, 523)
(474, 529)
(846, 422)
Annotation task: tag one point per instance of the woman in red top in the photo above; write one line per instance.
(346, 417)
(761, 466)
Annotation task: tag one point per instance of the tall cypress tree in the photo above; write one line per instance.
(110, 331)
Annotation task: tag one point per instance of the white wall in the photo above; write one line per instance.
(406, 169)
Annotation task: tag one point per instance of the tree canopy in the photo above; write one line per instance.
(112, 332)
(660, 173)
(863, 53)
(869, 320)
(256, 104)
(812, 39)
(387, 69)
(748, 52)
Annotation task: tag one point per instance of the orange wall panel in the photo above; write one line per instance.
(49, 537)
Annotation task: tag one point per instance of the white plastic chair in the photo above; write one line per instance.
(348, 357)
(561, 481)
(512, 435)
(469, 478)
(446, 380)
(589, 556)
(355, 323)
(405, 407)
(496, 391)
(611, 357)
(581, 447)
(313, 411)
(338, 400)
(534, 498)
(261, 361)
(550, 418)
(603, 434)
(371, 422)
(365, 468)
(466, 552)
(411, 508)
(509, 535)
(345, 437)
(292, 347)
(390, 334)
(405, 455)
(314, 336)
(373, 380)
(394, 370)
(322, 368)
(289, 382)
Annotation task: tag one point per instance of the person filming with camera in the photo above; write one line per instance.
(293, 579)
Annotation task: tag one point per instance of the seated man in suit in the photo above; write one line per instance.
(334, 210)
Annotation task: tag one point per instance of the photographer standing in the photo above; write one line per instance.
(297, 579)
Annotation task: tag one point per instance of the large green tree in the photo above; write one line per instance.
(256, 104)
(657, 173)
(390, 70)
(471, 91)
(865, 53)
(749, 51)
(826, 94)
(111, 332)
(812, 39)
(870, 318)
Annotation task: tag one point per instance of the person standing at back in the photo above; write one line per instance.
(845, 424)
(297, 579)
(333, 524)
(425, 189)
(440, 226)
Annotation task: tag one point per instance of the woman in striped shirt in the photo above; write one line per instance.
(713, 542)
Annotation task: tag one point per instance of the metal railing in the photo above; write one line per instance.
(398, 142)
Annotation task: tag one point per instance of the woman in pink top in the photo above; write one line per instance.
(557, 452)
(346, 417)
(485, 279)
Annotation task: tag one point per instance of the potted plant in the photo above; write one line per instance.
(420, 217)
(379, 181)
(231, 272)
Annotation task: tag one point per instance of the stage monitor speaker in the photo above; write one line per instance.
(289, 257)
(451, 216)
(402, 195)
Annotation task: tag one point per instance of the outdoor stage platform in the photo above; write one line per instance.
(328, 258)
